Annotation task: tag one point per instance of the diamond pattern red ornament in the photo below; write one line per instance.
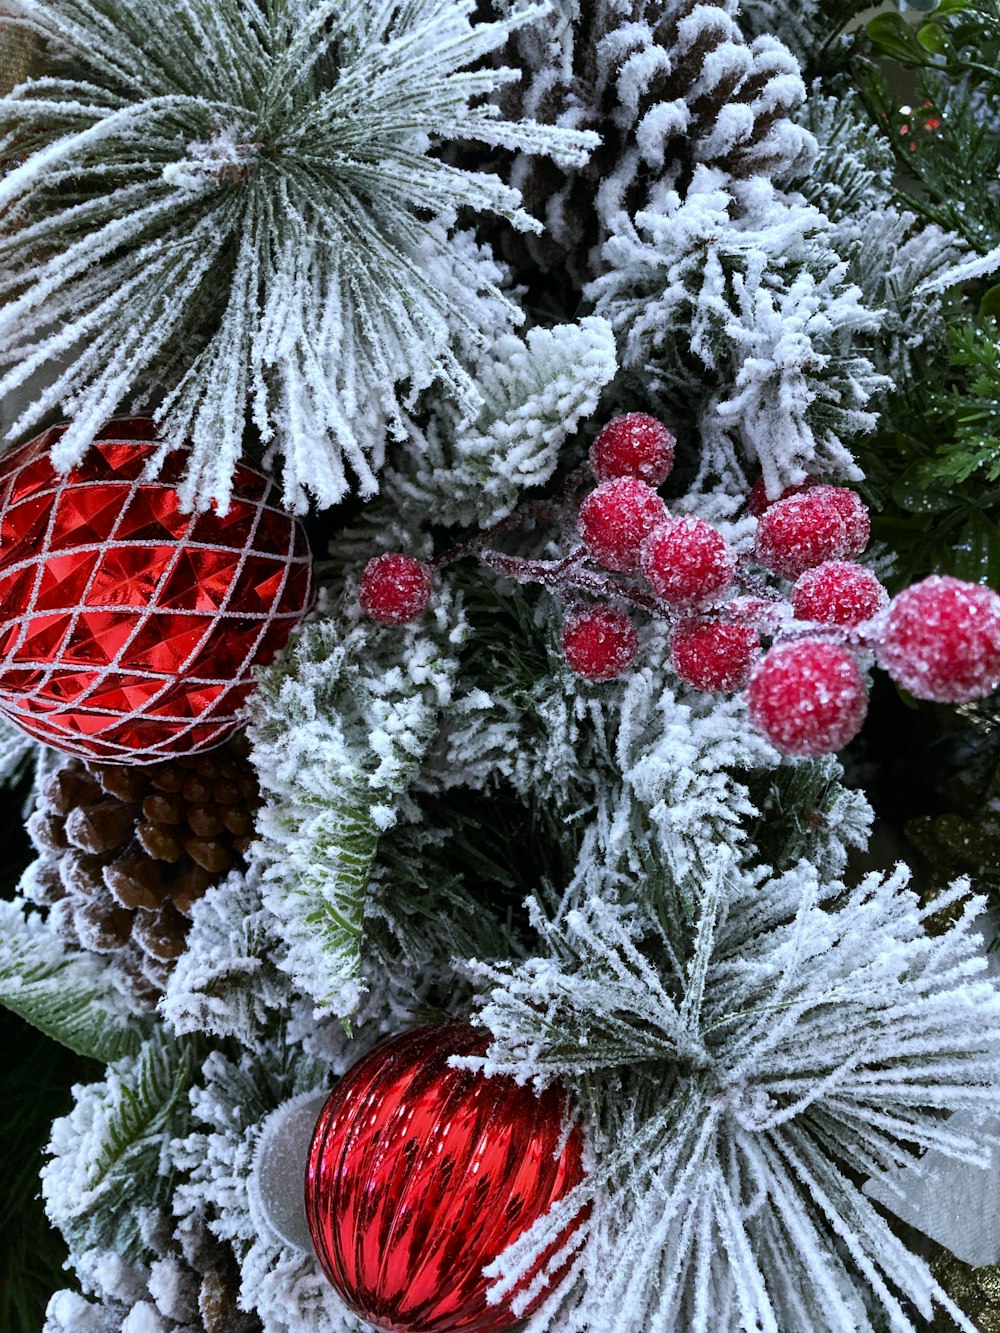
(129, 630)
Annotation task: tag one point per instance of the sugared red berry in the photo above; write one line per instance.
(615, 520)
(395, 588)
(757, 500)
(599, 642)
(808, 698)
(852, 509)
(635, 445)
(687, 562)
(838, 593)
(799, 533)
(941, 640)
(712, 655)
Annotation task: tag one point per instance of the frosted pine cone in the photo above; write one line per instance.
(667, 85)
(125, 852)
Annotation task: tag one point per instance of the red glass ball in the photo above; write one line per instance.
(420, 1175)
(129, 630)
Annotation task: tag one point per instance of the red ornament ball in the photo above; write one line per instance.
(395, 588)
(801, 532)
(808, 698)
(420, 1175)
(838, 593)
(941, 640)
(757, 500)
(599, 642)
(129, 630)
(687, 562)
(616, 518)
(634, 445)
(712, 655)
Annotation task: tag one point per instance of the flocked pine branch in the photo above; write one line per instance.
(108, 1153)
(339, 730)
(236, 203)
(64, 993)
(747, 1053)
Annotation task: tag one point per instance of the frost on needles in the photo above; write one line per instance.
(233, 208)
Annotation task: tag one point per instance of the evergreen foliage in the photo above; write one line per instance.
(231, 207)
(339, 732)
(742, 1060)
(65, 994)
(256, 216)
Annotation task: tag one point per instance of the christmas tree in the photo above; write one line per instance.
(469, 472)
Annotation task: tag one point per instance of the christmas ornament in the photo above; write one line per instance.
(126, 851)
(599, 642)
(941, 640)
(616, 518)
(687, 562)
(129, 630)
(634, 445)
(420, 1175)
(395, 588)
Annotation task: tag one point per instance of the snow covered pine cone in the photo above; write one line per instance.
(125, 852)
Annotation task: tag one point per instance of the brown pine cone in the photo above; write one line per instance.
(125, 852)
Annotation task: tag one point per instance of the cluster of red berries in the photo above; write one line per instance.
(807, 693)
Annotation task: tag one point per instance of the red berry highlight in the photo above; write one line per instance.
(852, 509)
(808, 698)
(687, 562)
(616, 518)
(757, 500)
(799, 533)
(942, 640)
(395, 588)
(599, 642)
(712, 655)
(838, 593)
(633, 445)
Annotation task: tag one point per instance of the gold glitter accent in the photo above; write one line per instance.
(974, 1290)
(20, 56)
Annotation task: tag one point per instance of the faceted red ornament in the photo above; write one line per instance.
(420, 1175)
(128, 629)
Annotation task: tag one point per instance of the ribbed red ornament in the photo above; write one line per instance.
(420, 1175)
(128, 629)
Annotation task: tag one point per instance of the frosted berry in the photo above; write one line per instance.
(838, 593)
(808, 698)
(942, 640)
(687, 562)
(616, 518)
(395, 588)
(599, 642)
(799, 533)
(712, 655)
(635, 445)
(852, 509)
(757, 500)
